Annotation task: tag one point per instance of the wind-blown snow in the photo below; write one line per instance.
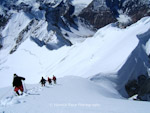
(124, 19)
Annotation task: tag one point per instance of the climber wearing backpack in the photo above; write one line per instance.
(17, 83)
(49, 80)
(54, 79)
(43, 81)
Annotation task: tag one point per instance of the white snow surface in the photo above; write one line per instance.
(80, 5)
(148, 47)
(16, 24)
(110, 58)
(82, 2)
(111, 53)
(71, 94)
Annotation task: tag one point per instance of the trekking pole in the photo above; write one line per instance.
(25, 89)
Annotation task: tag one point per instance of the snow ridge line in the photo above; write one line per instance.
(21, 37)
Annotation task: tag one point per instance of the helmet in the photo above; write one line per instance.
(15, 75)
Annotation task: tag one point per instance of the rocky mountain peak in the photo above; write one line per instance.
(103, 12)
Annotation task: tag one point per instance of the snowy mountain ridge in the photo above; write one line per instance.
(92, 69)
(102, 12)
(47, 25)
(94, 60)
(54, 27)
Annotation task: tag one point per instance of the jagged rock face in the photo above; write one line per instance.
(59, 17)
(139, 86)
(132, 87)
(1, 42)
(97, 16)
(139, 13)
(52, 14)
(136, 9)
(100, 13)
(3, 20)
(48, 23)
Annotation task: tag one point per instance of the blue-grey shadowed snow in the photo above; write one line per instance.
(146, 35)
(38, 42)
(137, 64)
(51, 46)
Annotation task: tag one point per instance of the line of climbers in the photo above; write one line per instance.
(18, 86)
(49, 80)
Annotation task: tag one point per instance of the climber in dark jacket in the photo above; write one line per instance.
(17, 83)
(43, 81)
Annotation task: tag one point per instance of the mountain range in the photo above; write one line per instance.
(97, 49)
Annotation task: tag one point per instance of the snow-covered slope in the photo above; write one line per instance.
(80, 5)
(47, 22)
(71, 94)
(91, 74)
(114, 55)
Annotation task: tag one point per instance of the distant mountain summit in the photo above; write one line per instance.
(49, 23)
(102, 12)
(55, 23)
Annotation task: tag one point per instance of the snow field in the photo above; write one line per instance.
(71, 94)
